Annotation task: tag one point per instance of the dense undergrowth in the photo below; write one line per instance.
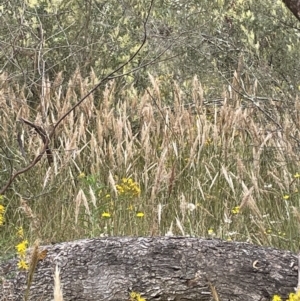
(134, 166)
(202, 139)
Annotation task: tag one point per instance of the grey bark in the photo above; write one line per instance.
(160, 268)
(294, 7)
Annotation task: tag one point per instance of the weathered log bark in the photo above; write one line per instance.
(161, 268)
(294, 7)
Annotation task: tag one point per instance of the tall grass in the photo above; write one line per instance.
(202, 169)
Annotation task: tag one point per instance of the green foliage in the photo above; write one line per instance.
(42, 38)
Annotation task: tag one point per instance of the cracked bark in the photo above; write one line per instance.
(159, 268)
(294, 7)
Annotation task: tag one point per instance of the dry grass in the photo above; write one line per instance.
(58, 294)
(193, 163)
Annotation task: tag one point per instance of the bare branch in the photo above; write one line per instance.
(44, 137)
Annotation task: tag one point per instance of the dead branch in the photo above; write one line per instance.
(158, 268)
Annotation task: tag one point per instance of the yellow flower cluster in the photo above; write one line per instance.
(128, 187)
(21, 250)
(136, 297)
(294, 296)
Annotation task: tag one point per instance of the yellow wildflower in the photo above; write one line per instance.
(140, 214)
(276, 298)
(296, 175)
(22, 265)
(136, 297)
(2, 209)
(120, 189)
(21, 247)
(106, 214)
(210, 231)
(286, 197)
(292, 297)
(235, 210)
(128, 187)
(296, 296)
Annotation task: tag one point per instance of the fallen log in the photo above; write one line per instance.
(158, 268)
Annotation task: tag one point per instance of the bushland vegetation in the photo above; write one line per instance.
(198, 135)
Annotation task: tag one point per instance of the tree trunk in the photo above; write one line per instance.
(159, 268)
(294, 7)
